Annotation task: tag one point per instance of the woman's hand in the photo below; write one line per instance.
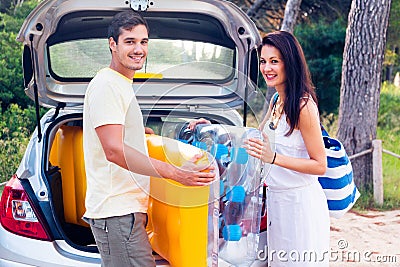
(260, 149)
(192, 124)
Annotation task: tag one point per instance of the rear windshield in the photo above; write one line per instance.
(167, 59)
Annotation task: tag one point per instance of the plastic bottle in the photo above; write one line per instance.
(233, 248)
(240, 181)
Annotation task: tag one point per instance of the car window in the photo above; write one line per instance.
(171, 59)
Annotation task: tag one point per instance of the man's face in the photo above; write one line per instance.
(130, 53)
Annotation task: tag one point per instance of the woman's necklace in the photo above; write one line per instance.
(277, 111)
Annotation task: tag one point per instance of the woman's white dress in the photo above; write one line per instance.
(297, 210)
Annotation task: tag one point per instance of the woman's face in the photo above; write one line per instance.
(272, 67)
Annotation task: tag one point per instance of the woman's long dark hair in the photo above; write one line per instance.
(298, 77)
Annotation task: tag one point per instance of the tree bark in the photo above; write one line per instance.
(292, 9)
(361, 82)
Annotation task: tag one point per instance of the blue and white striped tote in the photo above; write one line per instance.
(338, 182)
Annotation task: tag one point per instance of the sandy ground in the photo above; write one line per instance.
(371, 238)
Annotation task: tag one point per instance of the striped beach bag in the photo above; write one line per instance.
(337, 182)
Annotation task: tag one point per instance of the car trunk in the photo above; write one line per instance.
(66, 178)
(65, 171)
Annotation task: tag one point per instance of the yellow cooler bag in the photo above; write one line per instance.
(178, 215)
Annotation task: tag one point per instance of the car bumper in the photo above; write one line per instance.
(16, 250)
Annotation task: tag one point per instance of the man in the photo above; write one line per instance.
(116, 199)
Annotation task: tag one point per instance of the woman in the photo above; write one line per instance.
(298, 217)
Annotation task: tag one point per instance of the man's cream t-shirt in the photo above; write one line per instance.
(112, 190)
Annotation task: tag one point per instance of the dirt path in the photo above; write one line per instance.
(366, 239)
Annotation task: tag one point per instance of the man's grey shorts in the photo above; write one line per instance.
(122, 240)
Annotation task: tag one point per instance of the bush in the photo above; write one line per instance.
(11, 79)
(389, 110)
(16, 126)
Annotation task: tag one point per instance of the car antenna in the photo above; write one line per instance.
(35, 90)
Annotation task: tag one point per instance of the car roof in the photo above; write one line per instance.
(216, 22)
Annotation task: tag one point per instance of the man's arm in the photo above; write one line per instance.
(111, 138)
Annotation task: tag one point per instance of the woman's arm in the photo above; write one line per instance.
(310, 129)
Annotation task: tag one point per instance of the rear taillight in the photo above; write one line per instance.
(17, 214)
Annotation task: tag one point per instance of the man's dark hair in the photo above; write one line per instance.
(125, 20)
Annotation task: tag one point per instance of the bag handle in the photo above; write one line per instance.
(323, 130)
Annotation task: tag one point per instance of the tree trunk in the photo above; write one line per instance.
(361, 82)
(291, 12)
(255, 7)
(389, 73)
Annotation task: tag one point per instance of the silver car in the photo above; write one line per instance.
(202, 62)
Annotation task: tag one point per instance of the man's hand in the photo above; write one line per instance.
(194, 165)
(148, 130)
(194, 175)
(199, 169)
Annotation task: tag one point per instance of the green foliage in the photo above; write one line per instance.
(16, 126)
(391, 58)
(9, 164)
(323, 45)
(17, 120)
(329, 11)
(389, 110)
(17, 14)
(330, 123)
(393, 37)
(389, 133)
(365, 201)
(391, 167)
(11, 78)
(268, 15)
